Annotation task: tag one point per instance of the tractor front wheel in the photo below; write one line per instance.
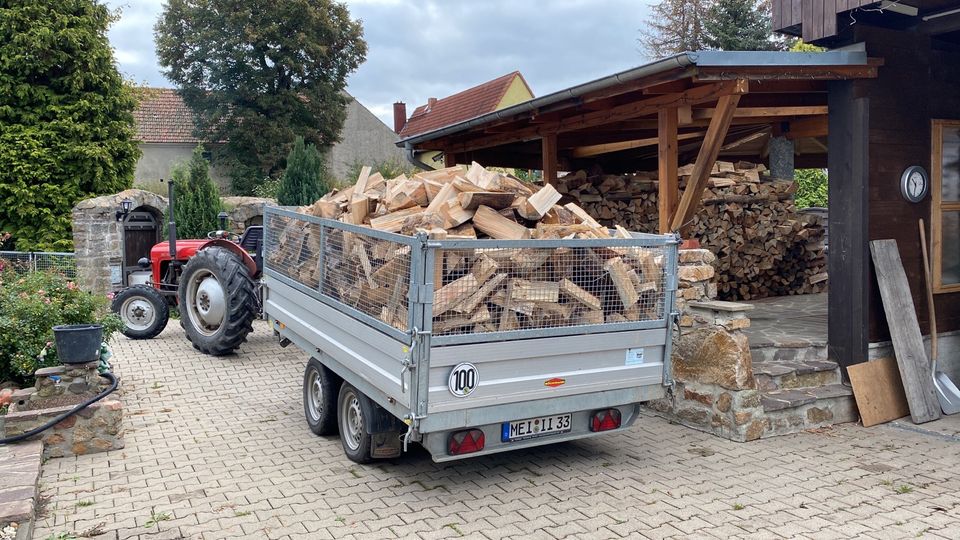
(217, 301)
(143, 310)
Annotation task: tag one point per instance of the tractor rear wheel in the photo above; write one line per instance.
(143, 310)
(217, 301)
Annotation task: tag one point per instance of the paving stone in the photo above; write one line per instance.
(235, 441)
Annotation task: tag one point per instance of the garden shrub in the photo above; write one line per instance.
(30, 306)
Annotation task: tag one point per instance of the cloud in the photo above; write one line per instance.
(433, 48)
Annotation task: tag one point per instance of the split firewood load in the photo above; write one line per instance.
(475, 290)
(764, 247)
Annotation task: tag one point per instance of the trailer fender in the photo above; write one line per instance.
(379, 420)
(248, 261)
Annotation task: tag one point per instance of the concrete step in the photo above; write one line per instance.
(774, 375)
(798, 409)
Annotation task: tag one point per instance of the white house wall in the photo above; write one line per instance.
(158, 160)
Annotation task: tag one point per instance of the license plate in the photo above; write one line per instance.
(519, 430)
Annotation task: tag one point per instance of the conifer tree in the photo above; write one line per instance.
(66, 118)
(739, 25)
(305, 179)
(675, 26)
(198, 199)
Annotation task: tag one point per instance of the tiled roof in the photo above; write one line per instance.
(465, 105)
(163, 117)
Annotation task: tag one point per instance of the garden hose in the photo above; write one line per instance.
(114, 382)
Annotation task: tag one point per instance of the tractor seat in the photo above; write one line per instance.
(252, 238)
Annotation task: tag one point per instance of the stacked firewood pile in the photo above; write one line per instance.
(475, 290)
(763, 246)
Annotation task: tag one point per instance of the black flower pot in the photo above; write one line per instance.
(78, 343)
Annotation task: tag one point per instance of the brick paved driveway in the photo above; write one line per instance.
(220, 447)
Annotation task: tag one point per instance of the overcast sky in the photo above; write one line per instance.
(433, 48)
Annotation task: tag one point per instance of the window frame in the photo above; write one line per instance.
(938, 207)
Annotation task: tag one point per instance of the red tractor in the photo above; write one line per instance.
(214, 282)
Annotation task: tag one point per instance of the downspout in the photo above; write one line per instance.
(413, 160)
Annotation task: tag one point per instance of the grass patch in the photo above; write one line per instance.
(242, 513)
(738, 506)
(455, 528)
(84, 504)
(903, 489)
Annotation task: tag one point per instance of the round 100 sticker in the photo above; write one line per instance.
(463, 380)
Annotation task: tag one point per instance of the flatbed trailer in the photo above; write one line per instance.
(391, 364)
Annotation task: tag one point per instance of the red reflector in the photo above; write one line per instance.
(605, 420)
(466, 442)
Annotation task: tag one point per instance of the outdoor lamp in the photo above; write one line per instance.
(222, 216)
(125, 206)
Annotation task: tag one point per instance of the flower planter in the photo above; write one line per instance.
(78, 343)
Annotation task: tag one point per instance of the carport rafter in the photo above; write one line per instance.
(712, 141)
(698, 94)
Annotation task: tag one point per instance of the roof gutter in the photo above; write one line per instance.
(412, 158)
(681, 60)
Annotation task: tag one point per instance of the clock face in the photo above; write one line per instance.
(914, 183)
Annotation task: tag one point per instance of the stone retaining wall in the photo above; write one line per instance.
(58, 389)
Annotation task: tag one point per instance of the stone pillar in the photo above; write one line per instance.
(714, 389)
(98, 237)
(781, 158)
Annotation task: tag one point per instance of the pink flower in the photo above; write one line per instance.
(71, 286)
(110, 295)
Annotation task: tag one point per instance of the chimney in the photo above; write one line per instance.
(431, 102)
(399, 116)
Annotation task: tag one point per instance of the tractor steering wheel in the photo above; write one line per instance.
(223, 235)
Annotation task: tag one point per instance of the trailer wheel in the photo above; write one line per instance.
(353, 429)
(320, 398)
(143, 310)
(217, 300)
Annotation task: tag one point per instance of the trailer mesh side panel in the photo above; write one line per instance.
(495, 290)
(368, 274)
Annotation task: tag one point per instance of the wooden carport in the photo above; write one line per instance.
(692, 106)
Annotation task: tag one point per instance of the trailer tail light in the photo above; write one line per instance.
(466, 442)
(605, 420)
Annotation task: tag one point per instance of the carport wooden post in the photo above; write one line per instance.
(712, 141)
(669, 189)
(550, 158)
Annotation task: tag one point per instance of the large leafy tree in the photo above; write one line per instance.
(739, 25)
(675, 26)
(257, 73)
(66, 117)
(306, 178)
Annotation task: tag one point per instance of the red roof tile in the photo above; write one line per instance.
(163, 117)
(465, 105)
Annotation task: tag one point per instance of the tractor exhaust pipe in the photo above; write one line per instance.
(172, 225)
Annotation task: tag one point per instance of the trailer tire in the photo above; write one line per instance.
(353, 425)
(217, 301)
(143, 310)
(320, 398)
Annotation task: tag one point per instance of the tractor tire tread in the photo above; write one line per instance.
(241, 302)
(155, 298)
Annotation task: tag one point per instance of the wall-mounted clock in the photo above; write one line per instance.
(914, 183)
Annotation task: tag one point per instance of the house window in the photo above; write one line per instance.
(945, 180)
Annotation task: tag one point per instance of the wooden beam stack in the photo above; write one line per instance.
(474, 290)
(764, 247)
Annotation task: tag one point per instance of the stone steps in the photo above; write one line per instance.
(800, 390)
(799, 409)
(781, 374)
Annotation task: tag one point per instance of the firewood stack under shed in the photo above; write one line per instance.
(764, 247)
(475, 290)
